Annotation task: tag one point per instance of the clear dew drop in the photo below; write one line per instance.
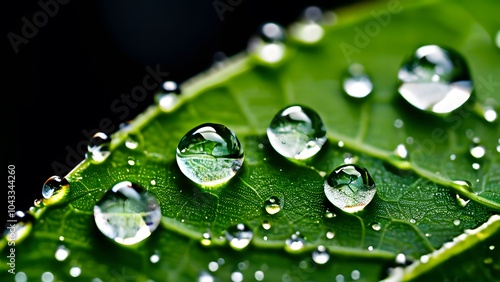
(127, 213)
(272, 205)
(350, 188)
(210, 154)
(476, 166)
(239, 236)
(98, 147)
(435, 79)
(477, 150)
(168, 95)
(376, 226)
(294, 243)
(309, 30)
(55, 188)
(204, 276)
(269, 45)
(155, 257)
(61, 253)
(330, 235)
(355, 82)
(297, 132)
(401, 259)
(320, 255)
(22, 227)
(266, 225)
(464, 184)
(462, 201)
(132, 142)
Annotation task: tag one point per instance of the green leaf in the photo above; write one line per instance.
(419, 205)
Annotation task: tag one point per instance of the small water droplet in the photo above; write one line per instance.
(75, 271)
(476, 166)
(491, 247)
(294, 243)
(297, 132)
(355, 82)
(206, 239)
(401, 152)
(62, 253)
(47, 277)
(239, 236)
(167, 96)
(132, 142)
(155, 257)
(308, 30)
(409, 140)
(321, 255)
(412, 221)
(127, 213)
(266, 225)
(272, 205)
(424, 259)
(98, 147)
(477, 150)
(54, 189)
(236, 276)
(456, 222)
(370, 248)
(259, 275)
(489, 113)
(376, 226)
(204, 276)
(453, 157)
(435, 79)
(427, 235)
(21, 277)
(213, 266)
(355, 274)
(268, 45)
(350, 188)
(210, 154)
(339, 278)
(330, 235)
(401, 259)
(21, 228)
(38, 203)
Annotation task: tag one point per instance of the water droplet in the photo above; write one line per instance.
(23, 223)
(272, 205)
(453, 157)
(330, 235)
(476, 166)
(489, 113)
(213, 266)
(321, 255)
(47, 277)
(21, 277)
(167, 96)
(132, 142)
(210, 154)
(268, 45)
(424, 259)
(376, 226)
(54, 189)
(98, 147)
(294, 243)
(491, 247)
(62, 253)
(308, 30)
(456, 222)
(239, 236)
(297, 132)
(75, 271)
(350, 188)
(329, 214)
(435, 79)
(401, 152)
(477, 150)
(155, 257)
(356, 82)
(38, 203)
(206, 239)
(398, 123)
(236, 276)
(266, 225)
(259, 275)
(401, 259)
(412, 221)
(355, 274)
(204, 276)
(370, 248)
(127, 213)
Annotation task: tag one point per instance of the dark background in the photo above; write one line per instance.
(65, 78)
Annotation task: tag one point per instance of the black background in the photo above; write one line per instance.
(65, 78)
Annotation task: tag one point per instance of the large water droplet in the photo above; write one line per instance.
(435, 79)
(127, 213)
(55, 188)
(239, 236)
(356, 82)
(210, 154)
(297, 132)
(98, 147)
(294, 243)
(268, 44)
(272, 205)
(350, 188)
(320, 255)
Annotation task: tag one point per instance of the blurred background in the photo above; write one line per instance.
(67, 62)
